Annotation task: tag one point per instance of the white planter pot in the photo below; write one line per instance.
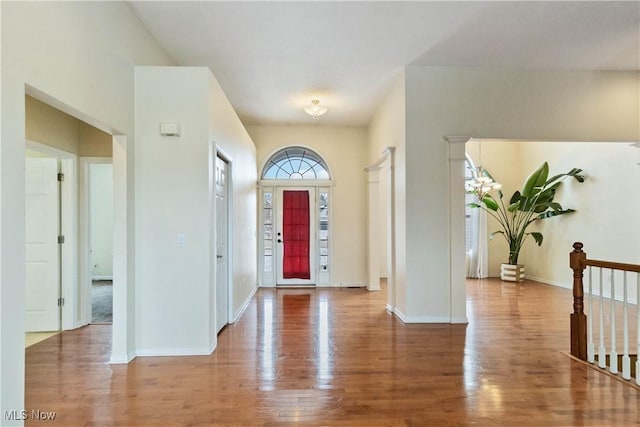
(512, 273)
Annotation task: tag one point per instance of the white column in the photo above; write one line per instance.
(373, 187)
(375, 228)
(391, 230)
(457, 274)
(122, 342)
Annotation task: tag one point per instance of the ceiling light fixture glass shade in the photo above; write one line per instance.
(481, 184)
(315, 110)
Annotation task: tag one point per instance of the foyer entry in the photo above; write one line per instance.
(295, 245)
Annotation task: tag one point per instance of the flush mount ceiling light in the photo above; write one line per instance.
(315, 110)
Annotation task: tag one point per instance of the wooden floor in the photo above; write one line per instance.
(31, 338)
(337, 358)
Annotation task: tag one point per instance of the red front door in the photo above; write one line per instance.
(295, 234)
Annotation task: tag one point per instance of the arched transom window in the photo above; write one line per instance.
(295, 163)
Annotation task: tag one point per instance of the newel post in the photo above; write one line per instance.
(578, 318)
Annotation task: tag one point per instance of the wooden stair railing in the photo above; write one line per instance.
(582, 344)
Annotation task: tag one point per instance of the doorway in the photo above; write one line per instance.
(96, 260)
(303, 258)
(100, 185)
(50, 238)
(295, 251)
(222, 239)
(42, 251)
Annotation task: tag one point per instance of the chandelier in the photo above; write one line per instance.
(482, 182)
(315, 110)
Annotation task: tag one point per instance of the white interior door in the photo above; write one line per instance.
(288, 242)
(42, 269)
(222, 267)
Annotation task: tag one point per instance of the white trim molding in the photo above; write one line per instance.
(122, 360)
(162, 352)
(244, 305)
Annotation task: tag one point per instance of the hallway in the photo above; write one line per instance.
(336, 357)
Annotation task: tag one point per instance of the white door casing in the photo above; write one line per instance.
(279, 245)
(222, 264)
(42, 266)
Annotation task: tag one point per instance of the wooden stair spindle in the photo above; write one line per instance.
(578, 318)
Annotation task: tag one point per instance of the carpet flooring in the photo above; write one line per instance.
(102, 301)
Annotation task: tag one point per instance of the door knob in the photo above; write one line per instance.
(279, 240)
(218, 256)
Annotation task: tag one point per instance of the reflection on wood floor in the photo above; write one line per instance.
(336, 357)
(31, 338)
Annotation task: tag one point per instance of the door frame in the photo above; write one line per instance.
(69, 229)
(85, 290)
(323, 279)
(219, 152)
(313, 235)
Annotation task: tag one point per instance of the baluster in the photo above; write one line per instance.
(613, 356)
(626, 360)
(602, 350)
(638, 327)
(590, 345)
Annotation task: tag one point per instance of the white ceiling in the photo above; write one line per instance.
(272, 58)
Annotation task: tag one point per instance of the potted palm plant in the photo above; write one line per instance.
(534, 202)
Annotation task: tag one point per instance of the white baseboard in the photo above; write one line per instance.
(549, 281)
(374, 288)
(244, 305)
(154, 352)
(570, 286)
(400, 315)
(122, 359)
(389, 308)
(101, 277)
(427, 319)
(77, 325)
(342, 285)
(213, 346)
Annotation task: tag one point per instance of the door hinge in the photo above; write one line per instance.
(60, 177)
(60, 240)
(60, 302)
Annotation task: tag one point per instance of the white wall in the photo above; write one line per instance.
(175, 293)
(82, 55)
(497, 103)
(229, 135)
(606, 208)
(172, 198)
(387, 129)
(345, 151)
(101, 213)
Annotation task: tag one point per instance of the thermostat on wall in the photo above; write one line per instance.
(170, 129)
